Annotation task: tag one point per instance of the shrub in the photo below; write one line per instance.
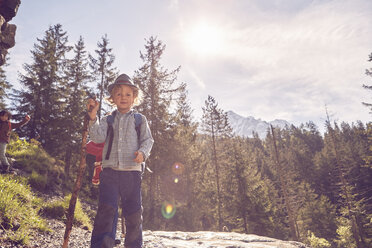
(316, 242)
(345, 236)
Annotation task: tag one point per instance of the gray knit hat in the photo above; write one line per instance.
(122, 79)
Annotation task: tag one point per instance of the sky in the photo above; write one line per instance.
(270, 59)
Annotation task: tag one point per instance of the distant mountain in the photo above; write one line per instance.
(245, 126)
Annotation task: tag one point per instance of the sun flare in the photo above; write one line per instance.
(204, 39)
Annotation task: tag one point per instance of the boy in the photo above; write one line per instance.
(122, 165)
(5, 128)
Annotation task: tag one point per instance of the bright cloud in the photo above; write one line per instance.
(294, 63)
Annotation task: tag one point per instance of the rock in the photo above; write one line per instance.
(80, 238)
(8, 10)
(162, 239)
(7, 38)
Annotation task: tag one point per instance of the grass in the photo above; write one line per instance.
(56, 209)
(19, 210)
(22, 213)
(32, 158)
(37, 181)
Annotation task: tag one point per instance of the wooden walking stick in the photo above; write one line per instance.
(77, 186)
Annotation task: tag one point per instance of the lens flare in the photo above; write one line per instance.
(178, 168)
(176, 180)
(168, 210)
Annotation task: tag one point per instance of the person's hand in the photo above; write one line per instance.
(139, 157)
(92, 107)
(27, 117)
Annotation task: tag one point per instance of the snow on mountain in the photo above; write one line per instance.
(245, 126)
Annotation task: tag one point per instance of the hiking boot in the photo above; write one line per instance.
(97, 171)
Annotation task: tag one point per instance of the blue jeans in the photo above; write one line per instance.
(3, 159)
(115, 185)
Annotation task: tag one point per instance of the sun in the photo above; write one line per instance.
(204, 39)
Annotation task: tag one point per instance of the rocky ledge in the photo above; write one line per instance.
(162, 239)
(8, 10)
(158, 239)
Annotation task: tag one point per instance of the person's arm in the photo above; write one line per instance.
(19, 124)
(146, 139)
(98, 130)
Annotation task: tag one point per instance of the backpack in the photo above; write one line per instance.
(110, 129)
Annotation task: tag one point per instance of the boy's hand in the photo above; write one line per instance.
(27, 117)
(92, 107)
(139, 157)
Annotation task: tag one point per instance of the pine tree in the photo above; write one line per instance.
(184, 151)
(304, 142)
(76, 94)
(103, 70)
(317, 215)
(248, 199)
(215, 125)
(287, 184)
(159, 90)
(343, 153)
(43, 84)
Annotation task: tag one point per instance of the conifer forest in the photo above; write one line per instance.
(296, 184)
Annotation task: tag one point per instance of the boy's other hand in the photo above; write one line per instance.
(139, 157)
(27, 117)
(92, 107)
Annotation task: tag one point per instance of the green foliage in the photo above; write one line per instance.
(18, 210)
(56, 209)
(317, 215)
(103, 70)
(215, 125)
(37, 181)
(76, 94)
(247, 195)
(32, 158)
(345, 236)
(316, 242)
(40, 95)
(182, 152)
(160, 88)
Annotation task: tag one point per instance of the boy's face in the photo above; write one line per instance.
(4, 117)
(123, 98)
